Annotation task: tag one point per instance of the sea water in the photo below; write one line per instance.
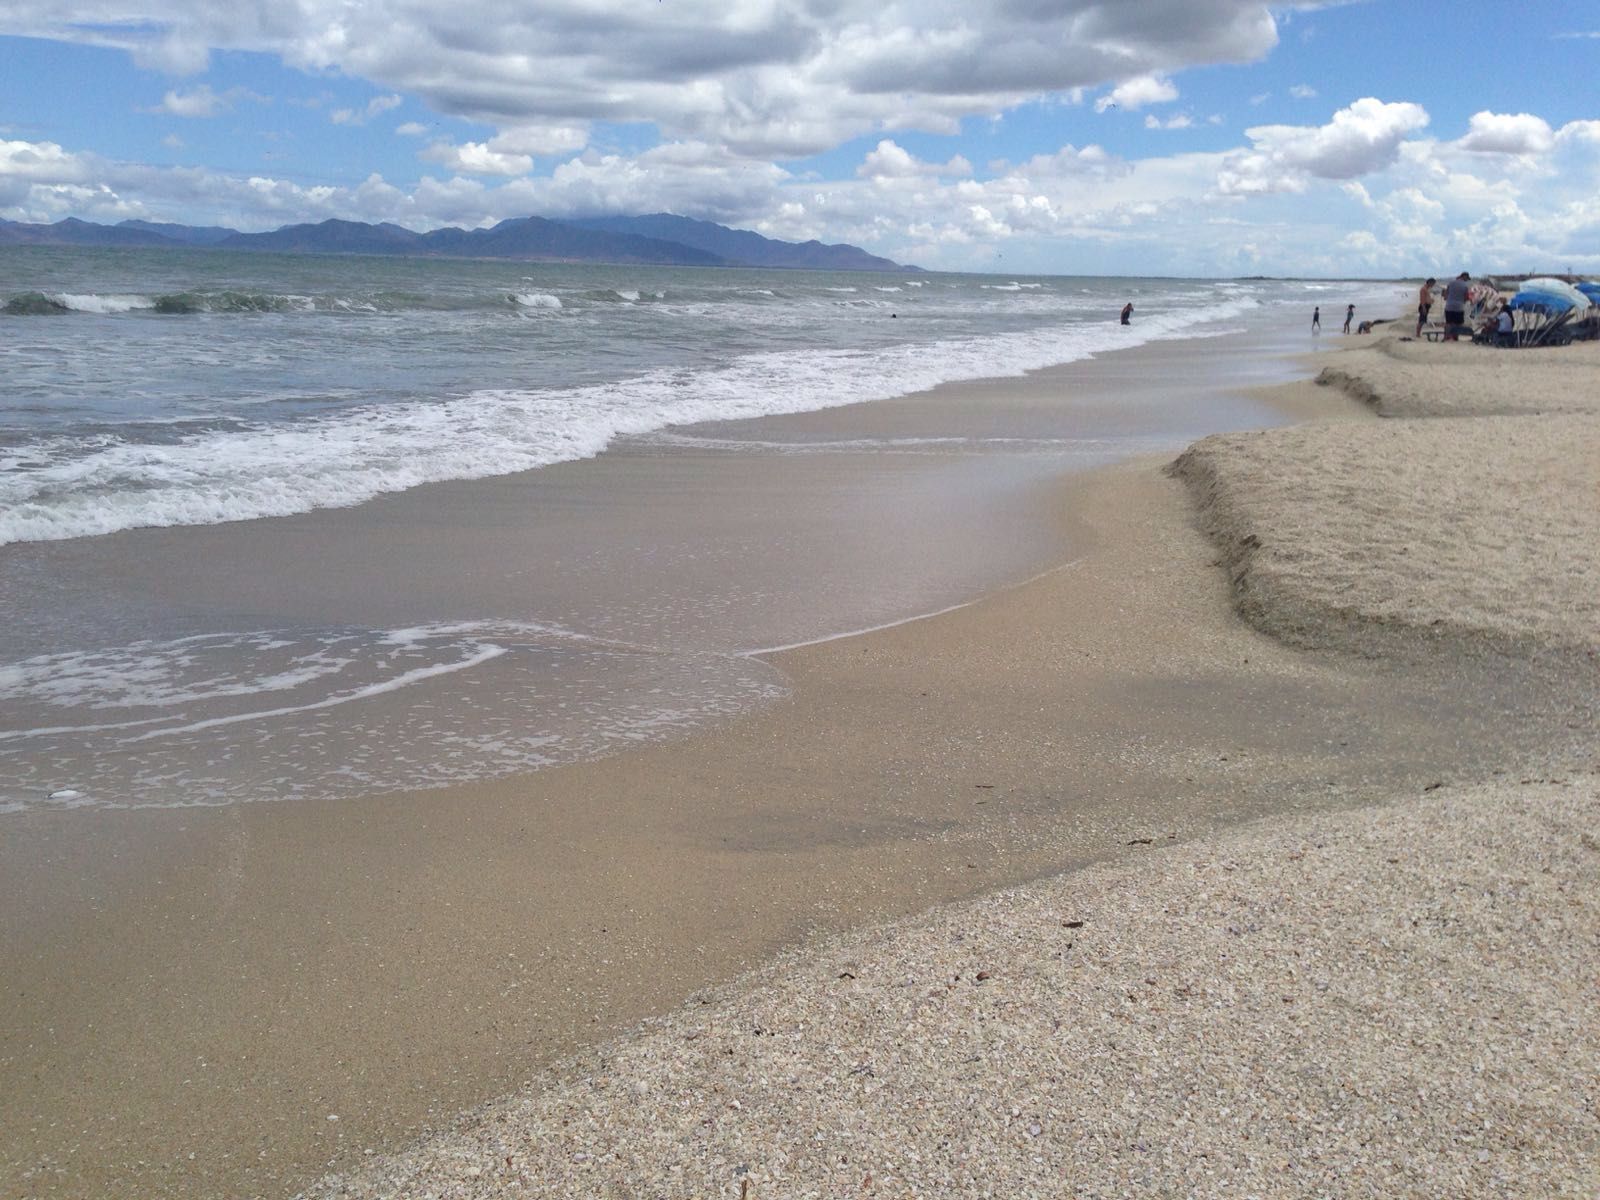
(146, 390)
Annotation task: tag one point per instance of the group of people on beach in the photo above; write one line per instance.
(1462, 300)
(1457, 295)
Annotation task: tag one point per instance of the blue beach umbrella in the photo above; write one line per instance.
(1551, 297)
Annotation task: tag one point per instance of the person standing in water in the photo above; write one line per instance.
(1316, 319)
(1127, 312)
(1349, 315)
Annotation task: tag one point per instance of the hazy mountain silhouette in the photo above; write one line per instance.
(660, 239)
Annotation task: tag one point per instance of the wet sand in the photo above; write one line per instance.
(1389, 1000)
(599, 603)
(196, 994)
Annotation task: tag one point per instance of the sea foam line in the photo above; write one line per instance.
(484, 654)
(351, 457)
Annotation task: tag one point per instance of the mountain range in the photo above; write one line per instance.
(659, 238)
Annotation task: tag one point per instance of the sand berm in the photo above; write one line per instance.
(1400, 1000)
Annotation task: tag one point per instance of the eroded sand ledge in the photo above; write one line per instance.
(1392, 1000)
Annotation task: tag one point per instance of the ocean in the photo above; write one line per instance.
(191, 620)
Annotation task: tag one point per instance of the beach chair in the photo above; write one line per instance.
(1544, 328)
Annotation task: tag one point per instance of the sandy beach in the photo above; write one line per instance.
(1301, 731)
(1388, 1000)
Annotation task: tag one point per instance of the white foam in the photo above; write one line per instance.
(481, 655)
(92, 303)
(76, 487)
(287, 746)
(537, 300)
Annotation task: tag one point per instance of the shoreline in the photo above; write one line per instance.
(1418, 941)
(647, 571)
(915, 765)
(1390, 997)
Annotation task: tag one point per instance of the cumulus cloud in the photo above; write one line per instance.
(1507, 133)
(889, 161)
(1180, 121)
(476, 158)
(40, 161)
(1578, 131)
(1136, 93)
(1360, 139)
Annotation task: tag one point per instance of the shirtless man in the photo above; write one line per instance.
(1424, 303)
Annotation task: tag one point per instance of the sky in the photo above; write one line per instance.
(1154, 137)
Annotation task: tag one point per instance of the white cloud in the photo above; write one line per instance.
(1180, 121)
(40, 161)
(541, 139)
(1158, 214)
(197, 102)
(1136, 93)
(1303, 91)
(411, 129)
(762, 78)
(172, 142)
(888, 161)
(1507, 133)
(476, 158)
(1578, 131)
(1360, 139)
(201, 101)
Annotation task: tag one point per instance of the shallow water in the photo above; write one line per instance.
(531, 605)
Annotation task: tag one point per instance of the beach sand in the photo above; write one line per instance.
(1391, 1000)
(260, 993)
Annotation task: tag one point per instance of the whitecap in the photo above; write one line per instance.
(80, 486)
(90, 302)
